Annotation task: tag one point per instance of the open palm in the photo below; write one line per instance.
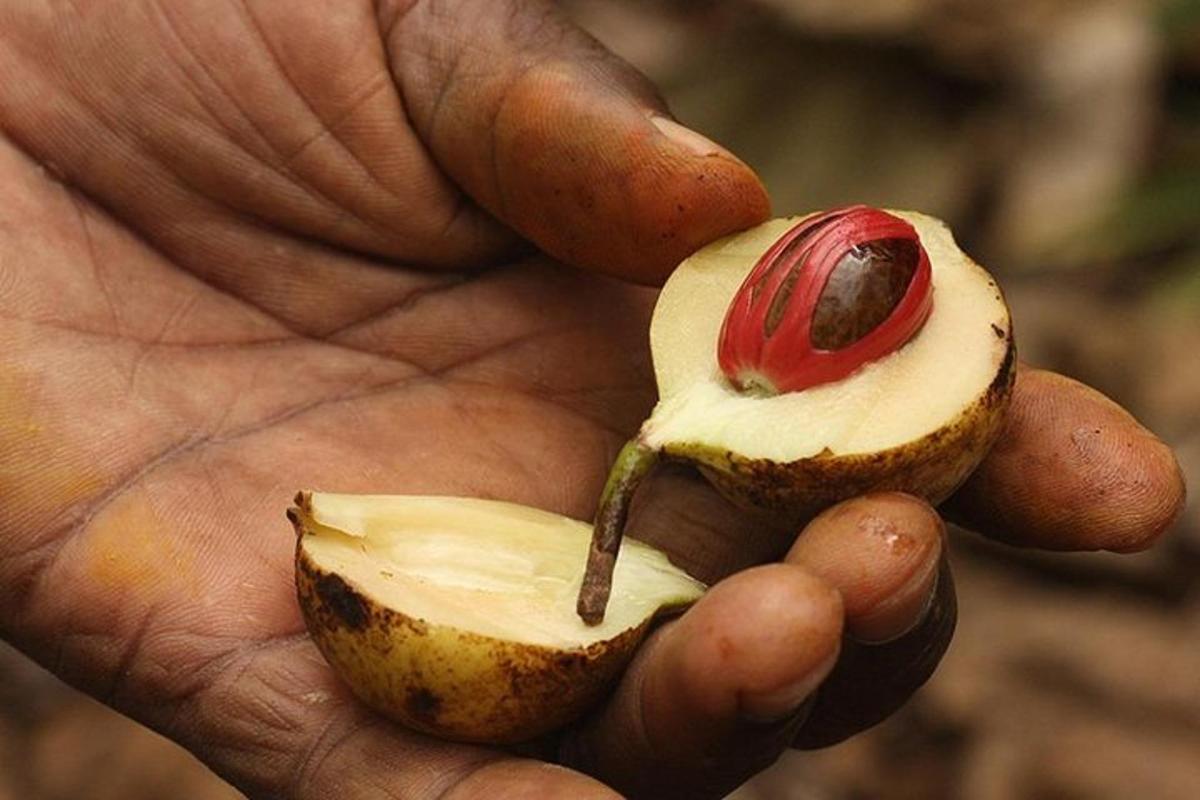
(247, 248)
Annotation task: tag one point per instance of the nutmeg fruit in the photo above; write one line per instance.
(916, 414)
(455, 616)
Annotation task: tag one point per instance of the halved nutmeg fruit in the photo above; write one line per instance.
(810, 360)
(456, 616)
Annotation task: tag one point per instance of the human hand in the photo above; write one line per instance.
(252, 247)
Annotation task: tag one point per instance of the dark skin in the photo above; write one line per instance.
(249, 247)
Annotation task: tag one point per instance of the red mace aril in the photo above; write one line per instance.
(836, 292)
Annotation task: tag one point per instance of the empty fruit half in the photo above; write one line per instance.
(456, 616)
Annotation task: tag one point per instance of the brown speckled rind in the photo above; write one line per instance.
(931, 467)
(445, 682)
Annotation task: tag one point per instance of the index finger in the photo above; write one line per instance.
(1071, 471)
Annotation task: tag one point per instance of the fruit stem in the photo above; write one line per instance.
(633, 463)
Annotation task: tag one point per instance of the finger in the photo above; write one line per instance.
(871, 682)
(1072, 471)
(716, 696)
(706, 535)
(560, 139)
(884, 554)
(209, 132)
(881, 552)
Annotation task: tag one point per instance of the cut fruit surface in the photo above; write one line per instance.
(887, 403)
(486, 567)
(456, 616)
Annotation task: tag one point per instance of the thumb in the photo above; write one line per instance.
(560, 139)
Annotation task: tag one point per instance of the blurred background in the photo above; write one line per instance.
(1061, 140)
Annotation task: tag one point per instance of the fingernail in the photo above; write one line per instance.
(884, 630)
(780, 704)
(688, 138)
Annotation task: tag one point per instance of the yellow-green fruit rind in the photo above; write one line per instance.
(931, 467)
(450, 683)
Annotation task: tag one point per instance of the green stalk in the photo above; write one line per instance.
(633, 463)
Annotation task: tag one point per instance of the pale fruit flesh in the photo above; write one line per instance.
(455, 616)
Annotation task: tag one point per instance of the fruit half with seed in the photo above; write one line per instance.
(806, 361)
(456, 616)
